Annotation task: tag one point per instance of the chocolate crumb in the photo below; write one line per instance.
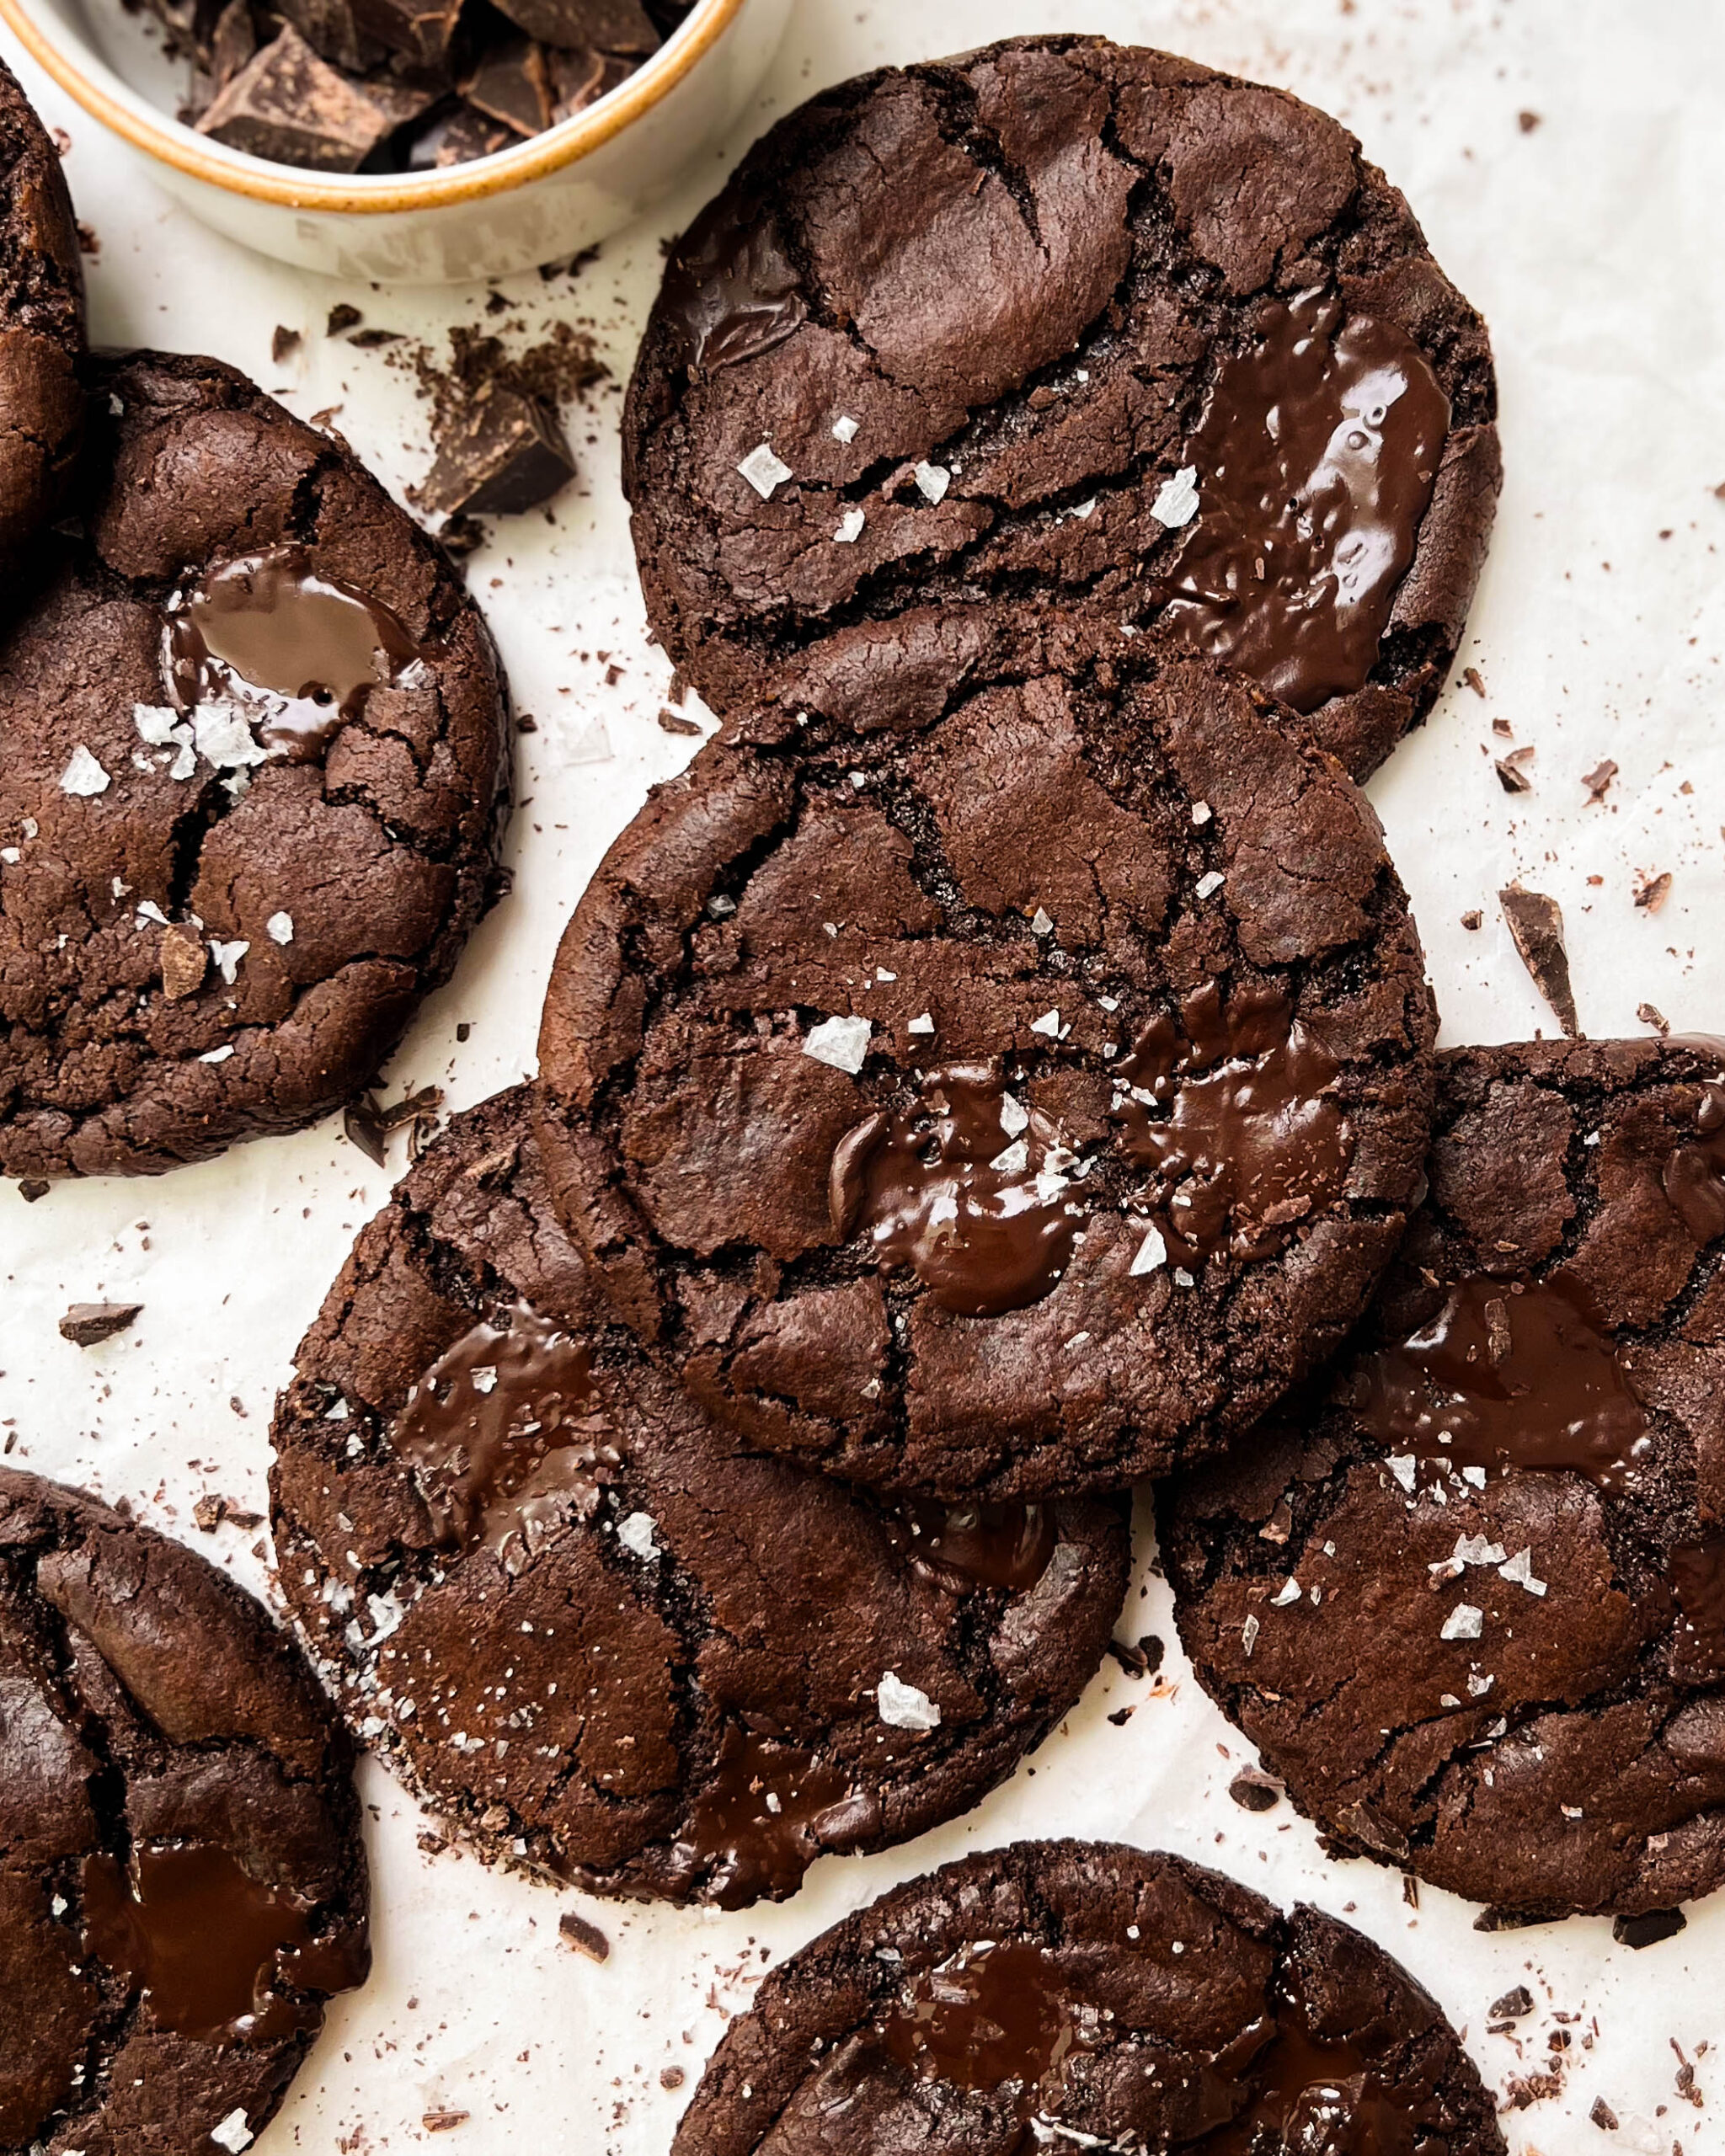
(1510, 775)
(1473, 917)
(1651, 1015)
(1152, 1648)
(1410, 1890)
(432, 1844)
(1120, 1717)
(585, 1937)
(671, 2076)
(1254, 1790)
(87, 242)
(283, 344)
(1536, 923)
(1514, 2005)
(1649, 1928)
(526, 723)
(443, 2122)
(1527, 121)
(33, 1188)
(368, 340)
(1651, 892)
(461, 535)
(211, 1512)
(1503, 731)
(1470, 675)
(1129, 1658)
(675, 722)
(86, 1325)
(1598, 781)
(1603, 2116)
(342, 318)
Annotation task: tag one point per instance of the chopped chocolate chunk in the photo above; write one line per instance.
(456, 137)
(362, 1125)
(283, 344)
(401, 102)
(1598, 781)
(1502, 728)
(289, 106)
(585, 1937)
(1651, 892)
(1130, 1658)
(1603, 2116)
(342, 318)
(1470, 675)
(1536, 923)
(1527, 121)
(671, 2076)
(1152, 1648)
(513, 84)
(1511, 775)
(463, 536)
(87, 242)
(675, 722)
(1649, 1928)
(1512, 2005)
(33, 1188)
(1254, 1790)
(368, 340)
(504, 452)
(211, 1512)
(582, 77)
(1651, 1015)
(87, 1325)
(232, 42)
(1473, 917)
(183, 961)
(421, 30)
(330, 28)
(609, 25)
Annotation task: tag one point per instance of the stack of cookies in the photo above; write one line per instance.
(1000, 1071)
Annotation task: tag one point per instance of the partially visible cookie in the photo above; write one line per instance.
(999, 1069)
(1073, 323)
(255, 763)
(41, 328)
(586, 1625)
(1469, 1599)
(1081, 1994)
(182, 1879)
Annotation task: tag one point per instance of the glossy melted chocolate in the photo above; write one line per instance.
(1002, 1545)
(1315, 454)
(198, 1936)
(988, 2015)
(729, 293)
(1229, 1113)
(967, 1187)
(1320, 2096)
(760, 1823)
(506, 1437)
(1508, 1375)
(296, 653)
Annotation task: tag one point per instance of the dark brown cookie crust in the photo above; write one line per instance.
(41, 328)
(1015, 835)
(1187, 1961)
(779, 1605)
(1588, 1774)
(1135, 213)
(381, 853)
(150, 1703)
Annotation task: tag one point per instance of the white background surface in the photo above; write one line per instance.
(1592, 244)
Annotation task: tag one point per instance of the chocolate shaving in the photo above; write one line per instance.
(585, 1937)
(283, 344)
(1598, 781)
(1536, 923)
(1651, 1015)
(1651, 892)
(87, 1325)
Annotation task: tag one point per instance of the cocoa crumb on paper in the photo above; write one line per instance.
(1651, 892)
(87, 1325)
(1535, 922)
(1650, 1014)
(1598, 780)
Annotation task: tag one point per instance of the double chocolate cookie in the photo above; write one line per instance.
(1080, 1995)
(1470, 1599)
(41, 328)
(1069, 321)
(255, 763)
(585, 1625)
(991, 1076)
(182, 1880)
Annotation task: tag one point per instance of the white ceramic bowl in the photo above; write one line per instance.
(552, 195)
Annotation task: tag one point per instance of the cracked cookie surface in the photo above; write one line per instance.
(1014, 326)
(995, 1070)
(1082, 1993)
(222, 897)
(41, 328)
(182, 1880)
(587, 1627)
(1469, 1600)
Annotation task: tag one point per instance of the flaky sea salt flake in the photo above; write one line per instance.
(842, 1042)
(82, 774)
(1518, 1571)
(1210, 883)
(845, 429)
(764, 471)
(279, 928)
(849, 528)
(227, 957)
(1288, 1594)
(1177, 503)
(1048, 1024)
(1402, 1465)
(233, 2134)
(1014, 1115)
(1463, 1622)
(932, 481)
(902, 1706)
(1152, 1253)
(636, 1534)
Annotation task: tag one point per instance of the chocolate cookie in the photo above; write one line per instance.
(1081, 1994)
(582, 1622)
(250, 801)
(1469, 1600)
(41, 328)
(1010, 1099)
(182, 1879)
(1068, 321)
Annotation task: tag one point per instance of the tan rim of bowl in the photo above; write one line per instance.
(579, 138)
